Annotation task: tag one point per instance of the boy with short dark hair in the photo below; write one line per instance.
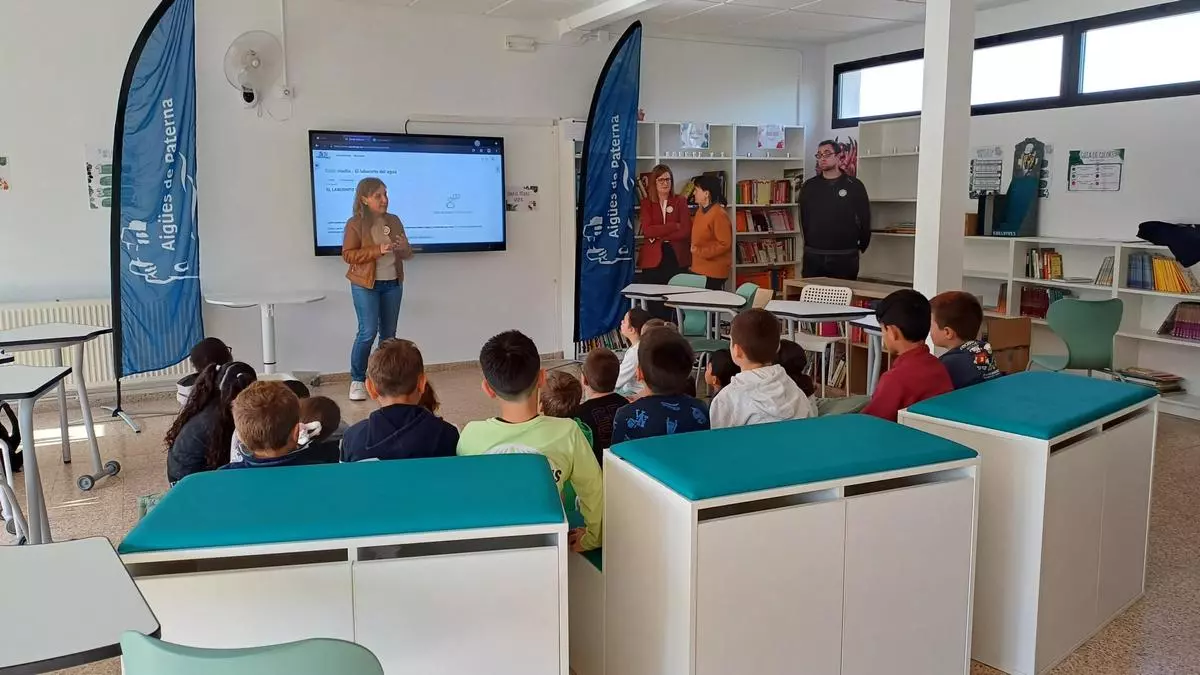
(267, 418)
(600, 371)
(631, 329)
(916, 374)
(720, 371)
(400, 428)
(325, 441)
(512, 375)
(957, 318)
(762, 392)
(665, 367)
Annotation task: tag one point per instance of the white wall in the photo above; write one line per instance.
(1158, 179)
(354, 64)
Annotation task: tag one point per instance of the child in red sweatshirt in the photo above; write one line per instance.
(916, 374)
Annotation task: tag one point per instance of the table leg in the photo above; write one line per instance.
(846, 332)
(86, 408)
(877, 366)
(268, 337)
(62, 407)
(39, 519)
(8, 479)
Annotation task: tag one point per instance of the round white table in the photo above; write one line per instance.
(266, 302)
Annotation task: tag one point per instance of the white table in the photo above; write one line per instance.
(56, 336)
(712, 303)
(796, 311)
(66, 605)
(266, 302)
(641, 294)
(25, 385)
(870, 326)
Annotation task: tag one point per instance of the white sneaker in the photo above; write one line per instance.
(358, 391)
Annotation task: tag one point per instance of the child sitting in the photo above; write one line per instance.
(762, 392)
(957, 318)
(400, 429)
(512, 375)
(200, 437)
(561, 398)
(631, 329)
(915, 374)
(600, 371)
(238, 452)
(665, 367)
(795, 362)
(324, 440)
(720, 371)
(267, 417)
(207, 352)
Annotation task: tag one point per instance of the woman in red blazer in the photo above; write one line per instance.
(667, 226)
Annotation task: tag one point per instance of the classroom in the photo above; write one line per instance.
(715, 336)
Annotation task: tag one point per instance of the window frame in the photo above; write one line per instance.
(1071, 81)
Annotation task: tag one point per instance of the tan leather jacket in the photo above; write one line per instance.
(360, 251)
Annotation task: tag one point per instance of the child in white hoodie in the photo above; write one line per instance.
(631, 329)
(763, 392)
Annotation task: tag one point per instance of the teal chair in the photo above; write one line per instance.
(143, 655)
(693, 322)
(1087, 328)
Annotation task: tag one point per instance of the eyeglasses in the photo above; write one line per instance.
(663, 179)
(824, 155)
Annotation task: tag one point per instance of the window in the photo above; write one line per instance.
(1019, 71)
(1141, 54)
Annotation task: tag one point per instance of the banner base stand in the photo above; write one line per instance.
(118, 412)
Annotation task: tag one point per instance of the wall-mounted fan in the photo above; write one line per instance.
(253, 64)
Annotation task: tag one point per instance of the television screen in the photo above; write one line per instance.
(447, 190)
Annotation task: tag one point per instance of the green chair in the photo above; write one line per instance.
(1087, 329)
(143, 655)
(693, 322)
(747, 291)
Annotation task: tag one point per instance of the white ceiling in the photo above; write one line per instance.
(801, 21)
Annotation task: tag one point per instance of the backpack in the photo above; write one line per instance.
(11, 438)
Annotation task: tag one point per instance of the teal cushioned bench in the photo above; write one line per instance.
(334, 501)
(708, 464)
(1034, 404)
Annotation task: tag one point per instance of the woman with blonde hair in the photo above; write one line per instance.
(375, 246)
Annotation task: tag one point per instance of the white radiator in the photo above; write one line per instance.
(98, 357)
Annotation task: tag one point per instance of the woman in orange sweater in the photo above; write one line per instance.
(712, 233)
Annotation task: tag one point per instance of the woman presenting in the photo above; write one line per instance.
(667, 227)
(374, 245)
(712, 234)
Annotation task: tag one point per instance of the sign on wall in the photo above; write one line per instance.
(1095, 170)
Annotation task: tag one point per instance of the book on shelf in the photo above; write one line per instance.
(763, 192)
(767, 278)
(1002, 299)
(767, 251)
(1183, 322)
(1104, 277)
(1036, 301)
(1159, 380)
(781, 220)
(769, 220)
(1154, 272)
(1043, 263)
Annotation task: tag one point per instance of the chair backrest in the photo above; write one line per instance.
(143, 655)
(828, 295)
(761, 297)
(693, 322)
(1087, 327)
(747, 291)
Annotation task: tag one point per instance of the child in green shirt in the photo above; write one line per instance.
(512, 374)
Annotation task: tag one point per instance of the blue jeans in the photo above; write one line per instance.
(378, 311)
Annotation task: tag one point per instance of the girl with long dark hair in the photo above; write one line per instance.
(199, 438)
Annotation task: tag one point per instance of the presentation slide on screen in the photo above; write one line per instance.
(442, 193)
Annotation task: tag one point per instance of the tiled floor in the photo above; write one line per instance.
(1156, 636)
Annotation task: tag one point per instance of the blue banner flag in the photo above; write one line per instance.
(155, 255)
(604, 262)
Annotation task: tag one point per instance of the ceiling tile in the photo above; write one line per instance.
(670, 11)
(540, 9)
(840, 23)
(454, 6)
(894, 10)
(719, 18)
(772, 4)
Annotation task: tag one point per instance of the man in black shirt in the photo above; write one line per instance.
(835, 213)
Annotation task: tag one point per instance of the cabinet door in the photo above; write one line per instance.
(253, 607)
(1129, 454)
(908, 580)
(769, 591)
(494, 612)
(1070, 550)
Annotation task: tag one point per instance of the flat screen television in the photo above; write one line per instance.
(447, 190)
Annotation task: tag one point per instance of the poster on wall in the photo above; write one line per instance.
(694, 135)
(98, 165)
(1044, 179)
(1095, 170)
(770, 136)
(523, 198)
(987, 170)
(5, 185)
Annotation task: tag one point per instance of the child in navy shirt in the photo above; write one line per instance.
(956, 319)
(665, 367)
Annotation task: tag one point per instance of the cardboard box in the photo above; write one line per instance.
(1010, 339)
